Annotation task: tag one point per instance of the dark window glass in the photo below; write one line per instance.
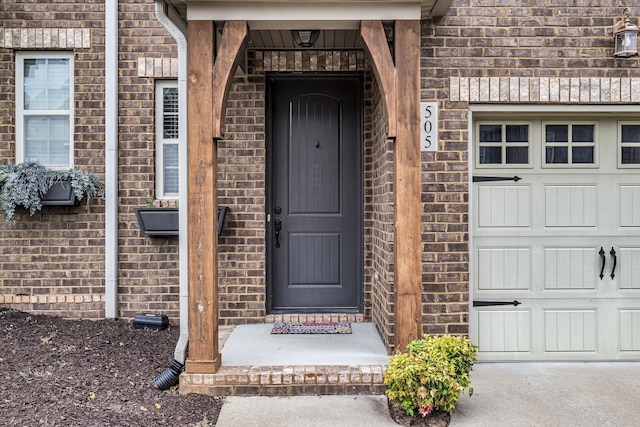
(630, 133)
(517, 133)
(517, 155)
(490, 133)
(630, 155)
(490, 155)
(557, 155)
(582, 155)
(557, 133)
(582, 133)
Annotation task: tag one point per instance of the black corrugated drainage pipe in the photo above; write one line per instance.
(170, 376)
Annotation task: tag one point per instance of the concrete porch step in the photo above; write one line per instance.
(256, 363)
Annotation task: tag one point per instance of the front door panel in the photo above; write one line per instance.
(315, 232)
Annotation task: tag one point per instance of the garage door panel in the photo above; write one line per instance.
(504, 268)
(629, 205)
(570, 330)
(571, 205)
(629, 276)
(570, 268)
(504, 206)
(629, 324)
(504, 331)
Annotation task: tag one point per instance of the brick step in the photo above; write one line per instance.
(286, 381)
(315, 317)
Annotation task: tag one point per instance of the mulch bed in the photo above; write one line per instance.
(56, 372)
(434, 419)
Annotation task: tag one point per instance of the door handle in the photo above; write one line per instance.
(602, 256)
(615, 262)
(277, 226)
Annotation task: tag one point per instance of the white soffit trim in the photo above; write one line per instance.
(318, 14)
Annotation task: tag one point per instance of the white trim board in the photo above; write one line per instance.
(299, 15)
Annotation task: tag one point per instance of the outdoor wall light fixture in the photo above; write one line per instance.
(625, 35)
(305, 38)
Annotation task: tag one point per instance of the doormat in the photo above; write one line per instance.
(311, 328)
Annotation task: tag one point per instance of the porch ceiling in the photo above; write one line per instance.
(270, 21)
(282, 39)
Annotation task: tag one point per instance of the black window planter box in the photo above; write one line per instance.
(164, 221)
(60, 194)
(157, 221)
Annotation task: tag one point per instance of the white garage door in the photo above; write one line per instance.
(556, 240)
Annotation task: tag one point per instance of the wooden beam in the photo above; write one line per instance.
(204, 355)
(376, 46)
(408, 206)
(234, 37)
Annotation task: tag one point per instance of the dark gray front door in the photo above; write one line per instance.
(315, 227)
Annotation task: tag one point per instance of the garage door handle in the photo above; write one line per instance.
(602, 256)
(615, 262)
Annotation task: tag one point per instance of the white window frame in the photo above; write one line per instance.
(161, 141)
(621, 144)
(570, 144)
(503, 145)
(21, 113)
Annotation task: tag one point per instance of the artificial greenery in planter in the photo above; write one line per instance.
(25, 185)
(431, 374)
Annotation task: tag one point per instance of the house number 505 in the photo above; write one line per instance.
(428, 126)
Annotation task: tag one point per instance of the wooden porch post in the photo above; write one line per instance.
(208, 89)
(400, 87)
(204, 355)
(407, 191)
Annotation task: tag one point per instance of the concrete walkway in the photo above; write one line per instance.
(305, 411)
(551, 394)
(506, 394)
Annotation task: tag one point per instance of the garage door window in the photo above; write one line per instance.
(629, 144)
(503, 144)
(567, 144)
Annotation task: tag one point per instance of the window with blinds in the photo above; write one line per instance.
(44, 108)
(167, 139)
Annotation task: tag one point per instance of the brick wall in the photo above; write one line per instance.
(54, 261)
(241, 187)
(379, 207)
(504, 52)
(149, 275)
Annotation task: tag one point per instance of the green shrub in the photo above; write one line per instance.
(431, 374)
